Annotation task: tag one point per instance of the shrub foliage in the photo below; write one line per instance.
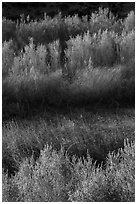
(64, 62)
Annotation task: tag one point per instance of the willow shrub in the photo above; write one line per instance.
(78, 53)
(8, 29)
(27, 138)
(107, 53)
(76, 25)
(51, 29)
(127, 46)
(129, 22)
(7, 57)
(100, 49)
(37, 60)
(101, 20)
(44, 180)
(114, 184)
(54, 178)
(46, 29)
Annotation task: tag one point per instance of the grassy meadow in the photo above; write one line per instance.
(68, 102)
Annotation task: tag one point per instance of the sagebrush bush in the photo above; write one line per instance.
(127, 47)
(76, 25)
(83, 54)
(100, 49)
(55, 60)
(52, 29)
(35, 29)
(8, 29)
(32, 61)
(37, 60)
(9, 189)
(54, 178)
(23, 139)
(5, 187)
(102, 20)
(114, 184)
(58, 63)
(106, 49)
(7, 57)
(129, 22)
(46, 180)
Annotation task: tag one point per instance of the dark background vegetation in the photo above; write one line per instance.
(13, 10)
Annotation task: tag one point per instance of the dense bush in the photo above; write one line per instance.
(127, 47)
(32, 61)
(26, 138)
(61, 63)
(91, 74)
(7, 58)
(99, 49)
(8, 29)
(112, 185)
(51, 29)
(54, 178)
(101, 20)
(129, 22)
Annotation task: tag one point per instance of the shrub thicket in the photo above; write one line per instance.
(21, 140)
(7, 57)
(115, 184)
(53, 178)
(101, 58)
(65, 62)
(50, 29)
